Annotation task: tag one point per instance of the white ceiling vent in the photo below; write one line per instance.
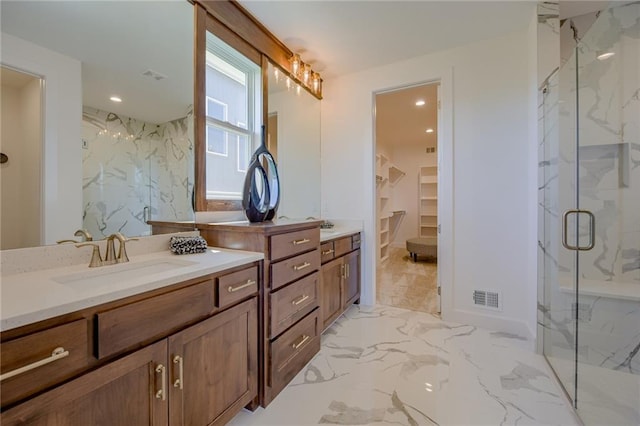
(154, 74)
(488, 299)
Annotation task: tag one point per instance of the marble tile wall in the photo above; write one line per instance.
(133, 171)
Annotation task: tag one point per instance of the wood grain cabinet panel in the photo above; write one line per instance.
(291, 303)
(236, 286)
(120, 393)
(214, 367)
(342, 246)
(293, 349)
(351, 287)
(285, 245)
(131, 325)
(331, 290)
(70, 339)
(289, 270)
(327, 252)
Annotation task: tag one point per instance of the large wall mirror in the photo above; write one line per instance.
(102, 165)
(294, 140)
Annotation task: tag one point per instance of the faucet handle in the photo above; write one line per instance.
(122, 250)
(96, 259)
(84, 233)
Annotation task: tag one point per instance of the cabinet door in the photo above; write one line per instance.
(351, 286)
(331, 291)
(125, 392)
(214, 367)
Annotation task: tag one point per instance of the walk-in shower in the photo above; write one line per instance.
(589, 193)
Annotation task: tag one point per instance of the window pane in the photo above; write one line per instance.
(217, 141)
(244, 153)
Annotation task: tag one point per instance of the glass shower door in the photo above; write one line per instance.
(557, 194)
(608, 152)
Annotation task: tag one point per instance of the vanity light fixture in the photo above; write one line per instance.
(116, 99)
(602, 55)
(295, 64)
(304, 75)
(429, 130)
(276, 74)
(420, 102)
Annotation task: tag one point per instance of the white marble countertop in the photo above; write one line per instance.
(338, 231)
(34, 296)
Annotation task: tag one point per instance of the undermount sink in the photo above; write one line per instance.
(124, 271)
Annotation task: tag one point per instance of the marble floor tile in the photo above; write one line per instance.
(389, 366)
(403, 283)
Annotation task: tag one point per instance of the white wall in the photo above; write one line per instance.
(20, 176)
(62, 171)
(486, 102)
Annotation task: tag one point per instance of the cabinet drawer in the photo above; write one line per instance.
(291, 351)
(285, 245)
(342, 246)
(285, 271)
(236, 286)
(293, 302)
(37, 351)
(135, 324)
(327, 252)
(355, 241)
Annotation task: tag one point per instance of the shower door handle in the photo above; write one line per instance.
(592, 230)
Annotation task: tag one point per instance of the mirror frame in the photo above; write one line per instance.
(230, 22)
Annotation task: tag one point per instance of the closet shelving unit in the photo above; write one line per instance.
(428, 195)
(387, 175)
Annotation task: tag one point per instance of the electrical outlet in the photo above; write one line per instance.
(85, 144)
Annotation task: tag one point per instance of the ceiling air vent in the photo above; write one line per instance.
(487, 299)
(154, 74)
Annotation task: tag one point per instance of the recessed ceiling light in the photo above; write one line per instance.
(429, 130)
(116, 99)
(420, 102)
(604, 55)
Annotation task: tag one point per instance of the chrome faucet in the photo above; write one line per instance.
(110, 253)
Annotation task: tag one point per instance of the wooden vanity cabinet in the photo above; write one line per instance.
(290, 318)
(201, 374)
(340, 277)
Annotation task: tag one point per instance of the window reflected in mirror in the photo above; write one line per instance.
(233, 111)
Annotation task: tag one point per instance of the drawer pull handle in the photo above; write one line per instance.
(58, 353)
(302, 241)
(299, 301)
(179, 382)
(302, 342)
(232, 289)
(301, 267)
(330, 251)
(162, 392)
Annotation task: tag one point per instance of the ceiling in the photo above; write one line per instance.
(342, 37)
(400, 121)
(117, 41)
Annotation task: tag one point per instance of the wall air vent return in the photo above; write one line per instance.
(154, 74)
(487, 299)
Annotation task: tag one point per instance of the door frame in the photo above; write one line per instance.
(445, 150)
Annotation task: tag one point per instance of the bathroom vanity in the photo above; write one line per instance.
(174, 346)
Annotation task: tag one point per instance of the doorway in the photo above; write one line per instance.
(21, 152)
(406, 135)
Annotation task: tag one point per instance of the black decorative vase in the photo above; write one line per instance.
(261, 194)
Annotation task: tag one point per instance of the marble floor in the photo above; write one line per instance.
(389, 366)
(406, 284)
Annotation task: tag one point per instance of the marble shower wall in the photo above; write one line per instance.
(607, 308)
(133, 171)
